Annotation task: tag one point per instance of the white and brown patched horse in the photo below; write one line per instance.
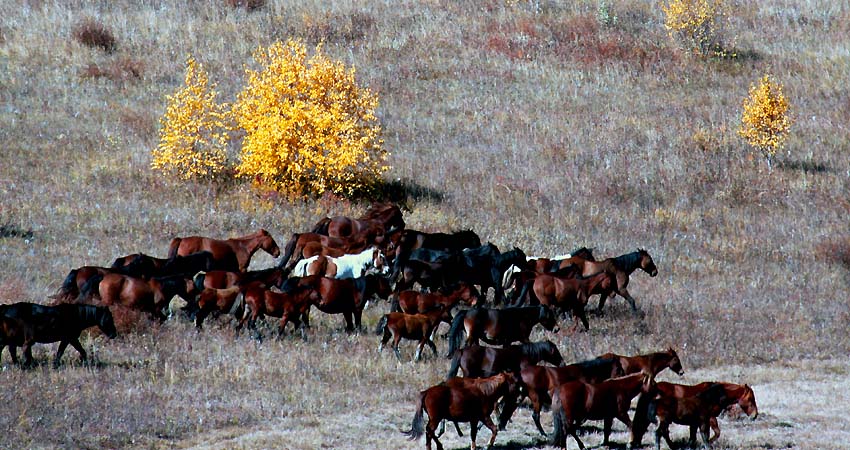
(346, 266)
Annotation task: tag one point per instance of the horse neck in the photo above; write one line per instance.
(492, 388)
(632, 384)
(248, 245)
(628, 263)
(735, 391)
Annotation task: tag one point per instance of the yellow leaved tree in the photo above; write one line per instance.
(765, 121)
(193, 134)
(695, 23)
(309, 127)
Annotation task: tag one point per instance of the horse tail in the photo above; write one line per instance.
(174, 247)
(321, 226)
(455, 366)
(559, 437)
(198, 280)
(69, 285)
(456, 333)
(394, 305)
(382, 324)
(526, 295)
(289, 249)
(417, 427)
(641, 419)
(90, 288)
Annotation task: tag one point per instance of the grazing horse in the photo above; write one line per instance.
(575, 402)
(742, 394)
(235, 254)
(477, 361)
(498, 326)
(289, 306)
(410, 240)
(568, 293)
(346, 266)
(347, 297)
(421, 327)
(379, 219)
(61, 323)
(413, 302)
(294, 250)
(621, 268)
(697, 411)
(651, 363)
(16, 333)
(151, 295)
(472, 401)
(538, 381)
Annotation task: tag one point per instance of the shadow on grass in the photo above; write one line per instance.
(404, 191)
(10, 230)
(805, 166)
(511, 445)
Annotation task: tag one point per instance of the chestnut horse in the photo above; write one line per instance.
(413, 302)
(76, 279)
(222, 279)
(568, 293)
(379, 219)
(743, 395)
(235, 254)
(477, 361)
(294, 250)
(575, 402)
(697, 411)
(651, 363)
(620, 267)
(417, 327)
(539, 381)
(498, 326)
(471, 401)
(537, 264)
(289, 306)
(151, 296)
(347, 297)
(230, 301)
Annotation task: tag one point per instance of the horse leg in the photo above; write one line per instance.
(14, 352)
(419, 348)
(396, 340)
(716, 427)
(692, 439)
(473, 432)
(665, 431)
(625, 294)
(27, 350)
(79, 347)
(358, 316)
(606, 429)
(429, 434)
(62, 346)
(534, 396)
(349, 323)
(433, 346)
(602, 298)
(384, 339)
(704, 431)
(574, 434)
(489, 423)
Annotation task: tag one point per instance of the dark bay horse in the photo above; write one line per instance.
(61, 323)
(621, 268)
(477, 361)
(651, 363)
(235, 254)
(498, 326)
(697, 411)
(743, 395)
(472, 401)
(416, 327)
(575, 402)
(539, 381)
(16, 333)
(379, 219)
(151, 296)
(410, 240)
(568, 293)
(347, 297)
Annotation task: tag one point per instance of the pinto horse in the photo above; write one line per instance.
(346, 266)
(742, 394)
(575, 402)
(651, 363)
(410, 240)
(413, 302)
(498, 326)
(620, 267)
(151, 296)
(61, 323)
(294, 250)
(568, 293)
(468, 401)
(347, 297)
(697, 411)
(477, 361)
(538, 381)
(235, 254)
(421, 327)
(379, 219)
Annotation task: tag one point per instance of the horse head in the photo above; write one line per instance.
(646, 263)
(675, 364)
(552, 355)
(747, 402)
(379, 261)
(268, 244)
(105, 322)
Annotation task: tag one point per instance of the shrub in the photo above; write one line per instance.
(695, 24)
(93, 34)
(765, 121)
(309, 128)
(249, 5)
(193, 134)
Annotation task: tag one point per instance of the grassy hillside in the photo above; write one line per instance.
(537, 124)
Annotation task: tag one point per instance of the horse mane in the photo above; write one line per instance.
(627, 261)
(488, 386)
(715, 393)
(536, 350)
(378, 210)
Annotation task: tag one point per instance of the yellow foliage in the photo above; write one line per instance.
(193, 133)
(765, 122)
(695, 23)
(309, 127)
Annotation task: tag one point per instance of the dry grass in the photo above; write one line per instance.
(530, 122)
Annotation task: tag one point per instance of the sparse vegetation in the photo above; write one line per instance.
(765, 119)
(529, 122)
(696, 24)
(94, 34)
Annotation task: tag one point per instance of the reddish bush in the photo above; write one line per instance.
(94, 34)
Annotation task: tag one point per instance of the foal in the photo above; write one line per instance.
(419, 327)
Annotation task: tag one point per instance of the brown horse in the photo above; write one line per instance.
(538, 381)
(621, 268)
(743, 394)
(235, 254)
(471, 402)
(498, 326)
(303, 245)
(229, 301)
(413, 302)
(697, 411)
(379, 219)
(415, 327)
(575, 402)
(651, 363)
(222, 279)
(289, 306)
(151, 296)
(76, 279)
(347, 297)
(477, 361)
(568, 293)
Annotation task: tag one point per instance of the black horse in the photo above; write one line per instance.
(61, 323)
(477, 361)
(498, 326)
(411, 240)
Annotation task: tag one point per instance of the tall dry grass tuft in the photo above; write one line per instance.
(249, 5)
(94, 34)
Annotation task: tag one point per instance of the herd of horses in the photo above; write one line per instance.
(343, 263)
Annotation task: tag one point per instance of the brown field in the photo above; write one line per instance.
(535, 123)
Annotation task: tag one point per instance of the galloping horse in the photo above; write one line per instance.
(498, 326)
(151, 296)
(568, 293)
(696, 411)
(346, 266)
(469, 401)
(421, 327)
(379, 219)
(575, 402)
(62, 323)
(742, 394)
(234, 253)
(477, 361)
(621, 268)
